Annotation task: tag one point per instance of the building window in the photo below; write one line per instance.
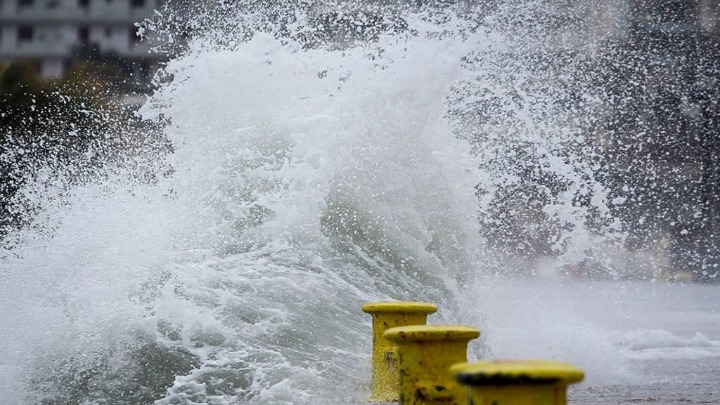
(84, 3)
(137, 3)
(134, 37)
(25, 3)
(25, 33)
(84, 34)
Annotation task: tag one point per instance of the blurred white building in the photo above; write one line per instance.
(53, 32)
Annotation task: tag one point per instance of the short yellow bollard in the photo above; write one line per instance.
(387, 315)
(425, 354)
(518, 382)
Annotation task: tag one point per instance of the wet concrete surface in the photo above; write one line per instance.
(686, 381)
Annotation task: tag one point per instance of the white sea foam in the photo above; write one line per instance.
(305, 181)
(660, 344)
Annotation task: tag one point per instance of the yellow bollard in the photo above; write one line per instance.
(425, 354)
(517, 382)
(387, 315)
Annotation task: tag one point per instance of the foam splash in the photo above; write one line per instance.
(661, 345)
(305, 183)
(309, 174)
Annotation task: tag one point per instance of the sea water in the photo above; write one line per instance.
(309, 174)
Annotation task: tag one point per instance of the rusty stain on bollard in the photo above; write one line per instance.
(386, 315)
(425, 354)
(518, 382)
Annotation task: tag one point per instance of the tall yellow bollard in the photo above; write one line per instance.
(518, 382)
(387, 315)
(425, 354)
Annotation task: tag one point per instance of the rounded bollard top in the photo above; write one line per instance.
(516, 372)
(404, 307)
(431, 333)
